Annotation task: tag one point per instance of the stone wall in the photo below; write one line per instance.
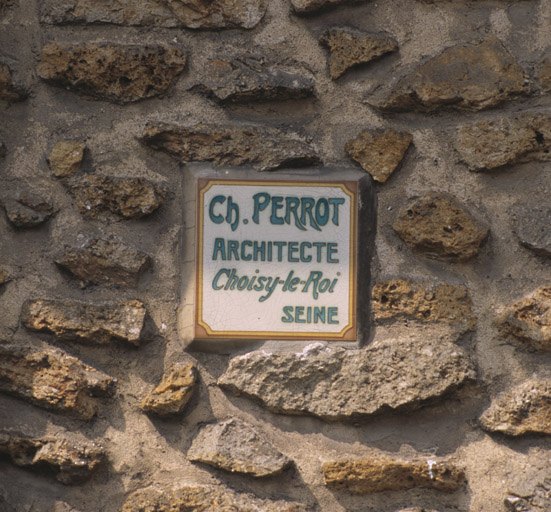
(445, 104)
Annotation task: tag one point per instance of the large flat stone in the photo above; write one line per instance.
(101, 323)
(337, 384)
(236, 446)
(71, 459)
(199, 498)
(52, 379)
(117, 73)
(263, 148)
(375, 475)
(438, 227)
(466, 76)
(526, 409)
(532, 225)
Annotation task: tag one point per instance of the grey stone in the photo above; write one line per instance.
(537, 499)
(532, 225)
(28, 210)
(236, 446)
(337, 384)
(306, 6)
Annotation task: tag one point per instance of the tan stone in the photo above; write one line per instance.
(117, 73)
(101, 323)
(349, 48)
(467, 76)
(131, 198)
(172, 394)
(236, 446)
(4, 276)
(526, 409)
(376, 475)
(397, 299)
(529, 320)
(202, 498)
(70, 458)
(52, 379)
(379, 152)
(10, 90)
(105, 261)
(263, 148)
(306, 6)
(66, 157)
(27, 209)
(439, 228)
(516, 139)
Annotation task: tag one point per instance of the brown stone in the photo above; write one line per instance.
(263, 148)
(117, 73)
(466, 76)
(172, 394)
(52, 379)
(349, 48)
(529, 320)
(401, 373)
(379, 152)
(236, 446)
(131, 198)
(165, 13)
(526, 409)
(69, 458)
(4, 276)
(398, 299)
(199, 498)
(102, 323)
(66, 157)
(376, 475)
(516, 139)
(28, 209)
(10, 89)
(104, 261)
(252, 77)
(306, 6)
(437, 227)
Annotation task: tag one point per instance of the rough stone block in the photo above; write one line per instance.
(10, 89)
(27, 209)
(347, 385)
(379, 152)
(532, 225)
(306, 6)
(172, 394)
(102, 323)
(104, 261)
(117, 73)
(437, 227)
(131, 198)
(349, 48)
(525, 409)
(236, 446)
(263, 148)
(466, 76)
(528, 320)
(66, 157)
(69, 458)
(376, 475)
(536, 499)
(52, 379)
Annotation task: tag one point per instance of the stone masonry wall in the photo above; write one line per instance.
(446, 104)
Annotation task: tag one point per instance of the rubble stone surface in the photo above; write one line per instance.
(28, 209)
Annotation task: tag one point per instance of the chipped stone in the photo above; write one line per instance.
(203, 498)
(236, 446)
(398, 299)
(66, 157)
(263, 148)
(10, 89)
(131, 198)
(525, 409)
(52, 379)
(104, 261)
(69, 458)
(510, 140)
(117, 73)
(376, 475)
(306, 6)
(536, 499)
(528, 320)
(172, 394)
(102, 323)
(337, 384)
(349, 48)
(252, 77)
(437, 227)
(466, 76)
(28, 209)
(532, 225)
(379, 152)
